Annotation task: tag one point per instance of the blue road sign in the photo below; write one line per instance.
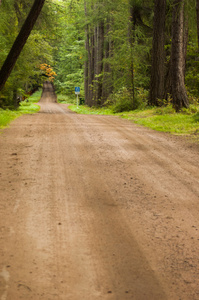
(77, 89)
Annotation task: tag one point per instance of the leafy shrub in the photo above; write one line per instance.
(193, 108)
(196, 117)
(142, 98)
(192, 69)
(66, 98)
(123, 101)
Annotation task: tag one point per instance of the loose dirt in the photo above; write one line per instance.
(95, 207)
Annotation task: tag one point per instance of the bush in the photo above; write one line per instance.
(123, 100)
(66, 98)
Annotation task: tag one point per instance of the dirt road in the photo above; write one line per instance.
(95, 207)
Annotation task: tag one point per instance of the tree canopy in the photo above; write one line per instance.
(120, 51)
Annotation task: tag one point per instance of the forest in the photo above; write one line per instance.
(127, 53)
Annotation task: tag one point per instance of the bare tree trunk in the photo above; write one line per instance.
(197, 13)
(86, 86)
(86, 64)
(158, 55)
(91, 67)
(179, 94)
(132, 24)
(94, 68)
(185, 42)
(107, 74)
(95, 79)
(98, 62)
(20, 41)
(100, 55)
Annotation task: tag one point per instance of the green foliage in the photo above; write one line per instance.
(6, 116)
(124, 53)
(26, 107)
(62, 98)
(34, 98)
(84, 109)
(38, 49)
(123, 100)
(192, 69)
(172, 123)
(58, 39)
(69, 56)
(169, 109)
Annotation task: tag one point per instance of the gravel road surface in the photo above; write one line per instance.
(96, 207)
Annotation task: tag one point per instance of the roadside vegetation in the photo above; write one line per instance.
(28, 106)
(122, 55)
(165, 119)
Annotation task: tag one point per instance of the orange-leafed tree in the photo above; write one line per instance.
(48, 72)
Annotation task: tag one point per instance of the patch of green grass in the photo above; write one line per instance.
(26, 107)
(166, 119)
(163, 119)
(65, 99)
(34, 98)
(6, 116)
(176, 123)
(84, 109)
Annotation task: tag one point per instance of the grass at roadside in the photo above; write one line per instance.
(26, 107)
(163, 119)
(65, 99)
(83, 109)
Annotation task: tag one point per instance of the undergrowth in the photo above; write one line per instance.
(68, 99)
(26, 107)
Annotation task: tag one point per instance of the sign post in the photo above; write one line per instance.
(77, 92)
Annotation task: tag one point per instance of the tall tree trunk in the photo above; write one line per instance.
(95, 61)
(185, 42)
(98, 62)
(179, 94)
(86, 70)
(20, 41)
(86, 64)
(107, 74)
(197, 13)
(132, 23)
(158, 55)
(91, 67)
(100, 56)
(90, 51)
